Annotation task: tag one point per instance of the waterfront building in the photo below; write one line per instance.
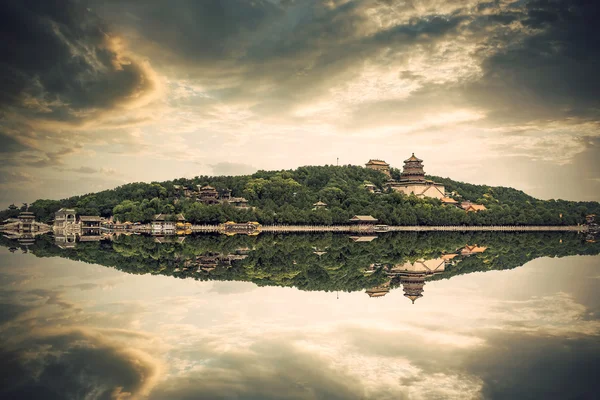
(166, 223)
(412, 181)
(245, 228)
(379, 165)
(64, 217)
(363, 219)
(90, 221)
(26, 221)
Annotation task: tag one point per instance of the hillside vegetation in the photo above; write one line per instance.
(287, 197)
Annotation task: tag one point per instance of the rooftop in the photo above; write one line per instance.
(448, 200)
(413, 158)
(166, 217)
(364, 218)
(90, 218)
(377, 162)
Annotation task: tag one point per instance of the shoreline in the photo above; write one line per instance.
(247, 229)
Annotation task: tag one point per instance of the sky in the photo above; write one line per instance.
(84, 330)
(95, 94)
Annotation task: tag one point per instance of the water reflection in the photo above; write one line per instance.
(329, 262)
(234, 325)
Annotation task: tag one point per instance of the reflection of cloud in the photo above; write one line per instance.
(283, 343)
(536, 366)
(78, 363)
(266, 370)
(69, 362)
(232, 287)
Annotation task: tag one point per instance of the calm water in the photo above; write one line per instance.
(502, 316)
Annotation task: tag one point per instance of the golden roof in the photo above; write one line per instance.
(448, 200)
(413, 158)
(377, 162)
(369, 218)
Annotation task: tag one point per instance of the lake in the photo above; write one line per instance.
(394, 316)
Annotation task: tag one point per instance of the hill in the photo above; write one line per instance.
(287, 197)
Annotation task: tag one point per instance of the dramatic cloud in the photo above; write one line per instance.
(466, 84)
(58, 62)
(73, 364)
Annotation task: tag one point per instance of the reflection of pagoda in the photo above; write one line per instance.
(413, 275)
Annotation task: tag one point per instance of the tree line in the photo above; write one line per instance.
(287, 197)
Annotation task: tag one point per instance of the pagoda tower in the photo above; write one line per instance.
(413, 170)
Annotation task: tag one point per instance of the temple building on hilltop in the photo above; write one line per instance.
(412, 181)
(208, 195)
(379, 165)
(237, 202)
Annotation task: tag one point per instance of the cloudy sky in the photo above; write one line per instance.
(84, 330)
(94, 93)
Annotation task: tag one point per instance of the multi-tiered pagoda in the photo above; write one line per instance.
(413, 170)
(412, 181)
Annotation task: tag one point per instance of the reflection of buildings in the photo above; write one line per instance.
(413, 275)
(24, 223)
(468, 250)
(90, 228)
(363, 238)
(69, 228)
(379, 291)
(64, 239)
(24, 228)
(210, 261)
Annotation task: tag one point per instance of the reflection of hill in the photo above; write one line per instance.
(300, 260)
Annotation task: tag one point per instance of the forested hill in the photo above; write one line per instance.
(287, 197)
